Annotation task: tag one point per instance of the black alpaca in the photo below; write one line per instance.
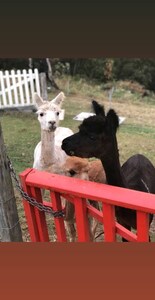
(97, 138)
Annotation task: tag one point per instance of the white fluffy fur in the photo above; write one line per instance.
(48, 152)
(48, 155)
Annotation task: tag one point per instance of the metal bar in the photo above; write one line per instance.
(40, 216)
(142, 227)
(109, 223)
(81, 220)
(30, 211)
(59, 222)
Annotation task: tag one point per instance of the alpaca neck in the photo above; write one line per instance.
(47, 148)
(112, 167)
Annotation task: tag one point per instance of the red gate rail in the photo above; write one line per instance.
(78, 191)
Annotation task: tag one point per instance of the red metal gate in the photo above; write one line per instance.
(78, 191)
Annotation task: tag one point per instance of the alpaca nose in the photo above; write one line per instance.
(51, 123)
(66, 147)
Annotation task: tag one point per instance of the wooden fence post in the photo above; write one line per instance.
(10, 230)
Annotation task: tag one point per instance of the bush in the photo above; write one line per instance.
(140, 70)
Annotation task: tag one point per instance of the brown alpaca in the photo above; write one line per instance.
(83, 168)
(87, 170)
(96, 172)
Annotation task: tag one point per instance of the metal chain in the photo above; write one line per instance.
(31, 200)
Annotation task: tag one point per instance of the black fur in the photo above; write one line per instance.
(97, 137)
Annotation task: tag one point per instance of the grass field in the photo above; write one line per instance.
(21, 130)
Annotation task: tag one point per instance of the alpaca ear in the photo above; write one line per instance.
(112, 121)
(98, 109)
(37, 100)
(58, 99)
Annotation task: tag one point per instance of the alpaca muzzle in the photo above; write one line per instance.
(52, 126)
(65, 147)
(68, 152)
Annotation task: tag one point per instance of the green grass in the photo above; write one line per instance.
(21, 131)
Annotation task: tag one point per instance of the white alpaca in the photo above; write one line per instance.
(48, 154)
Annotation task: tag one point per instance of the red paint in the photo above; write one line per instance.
(77, 191)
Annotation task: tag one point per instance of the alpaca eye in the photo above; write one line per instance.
(57, 113)
(72, 172)
(41, 114)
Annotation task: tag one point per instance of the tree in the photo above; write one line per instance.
(10, 230)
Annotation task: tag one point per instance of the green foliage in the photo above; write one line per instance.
(102, 70)
(90, 67)
(13, 63)
(140, 70)
(106, 69)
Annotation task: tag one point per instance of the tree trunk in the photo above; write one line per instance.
(43, 86)
(30, 63)
(50, 75)
(10, 230)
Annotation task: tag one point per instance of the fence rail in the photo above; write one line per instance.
(17, 87)
(33, 181)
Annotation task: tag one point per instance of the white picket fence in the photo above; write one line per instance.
(17, 87)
